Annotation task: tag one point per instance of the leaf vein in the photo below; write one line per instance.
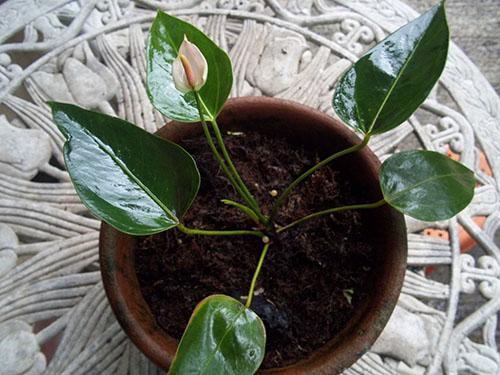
(406, 190)
(231, 326)
(396, 81)
(131, 175)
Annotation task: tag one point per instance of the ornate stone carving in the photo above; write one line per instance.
(354, 33)
(20, 350)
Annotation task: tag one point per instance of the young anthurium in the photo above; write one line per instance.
(142, 184)
(190, 68)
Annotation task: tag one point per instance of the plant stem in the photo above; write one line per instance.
(246, 210)
(216, 153)
(191, 231)
(281, 199)
(250, 199)
(221, 161)
(332, 210)
(256, 275)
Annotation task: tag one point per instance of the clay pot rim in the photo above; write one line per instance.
(136, 319)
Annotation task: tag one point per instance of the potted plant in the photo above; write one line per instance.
(334, 237)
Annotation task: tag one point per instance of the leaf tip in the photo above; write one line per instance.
(160, 13)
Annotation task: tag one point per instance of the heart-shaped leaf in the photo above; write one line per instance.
(165, 38)
(135, 181)
(426, 185)
(222, 337)
(387, 84)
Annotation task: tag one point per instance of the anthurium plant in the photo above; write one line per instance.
(142, 184)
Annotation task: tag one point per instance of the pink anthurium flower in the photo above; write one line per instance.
(190, 68)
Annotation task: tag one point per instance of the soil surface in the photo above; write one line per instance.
(315, 275)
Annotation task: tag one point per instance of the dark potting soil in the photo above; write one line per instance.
(315, 275)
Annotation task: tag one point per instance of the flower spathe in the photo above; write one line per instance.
(190, 68)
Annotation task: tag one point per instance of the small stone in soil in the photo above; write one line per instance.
(274, 318)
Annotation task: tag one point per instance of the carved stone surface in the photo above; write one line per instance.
(92, 53)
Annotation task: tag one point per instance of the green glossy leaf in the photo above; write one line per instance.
(135, 181)
(387, 84)
(165, 38)
(426, 185)
(222, 337)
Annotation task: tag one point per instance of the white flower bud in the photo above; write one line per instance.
(190, 68)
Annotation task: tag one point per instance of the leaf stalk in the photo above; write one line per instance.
(226, 163)
(282, 198)
(256, 275)
(330, 211)
(194, 231)
(251, 200)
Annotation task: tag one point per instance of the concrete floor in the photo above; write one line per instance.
(475, 28)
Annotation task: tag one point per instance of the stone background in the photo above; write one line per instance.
(475, 28)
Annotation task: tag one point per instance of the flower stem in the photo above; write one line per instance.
(332, 210)
(281, 199)
(191, 231)
(250, 199)
(218, 156)
(229, 169)
(256, 275)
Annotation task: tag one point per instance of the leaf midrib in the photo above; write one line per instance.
(131, 175)
(231, 326)
(398, 77)
(406, 190)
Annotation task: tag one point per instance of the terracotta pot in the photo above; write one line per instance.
(388, 236)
